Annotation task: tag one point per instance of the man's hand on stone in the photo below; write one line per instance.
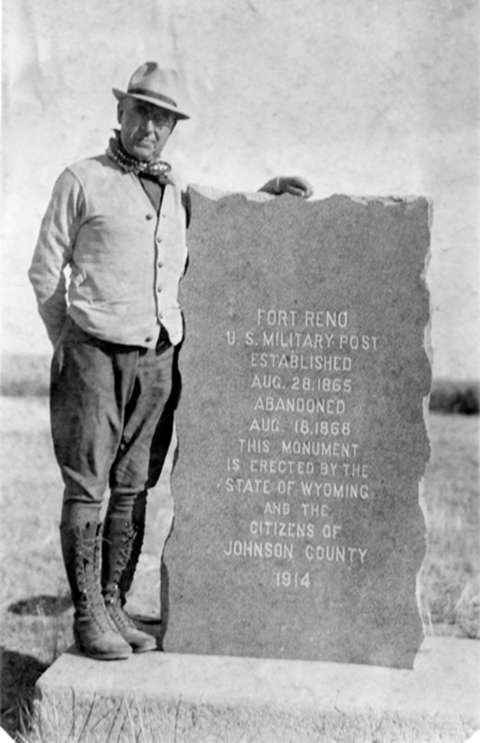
(291, 184)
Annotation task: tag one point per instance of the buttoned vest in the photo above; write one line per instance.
(127, 261)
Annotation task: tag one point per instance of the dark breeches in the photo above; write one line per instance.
(112, 409)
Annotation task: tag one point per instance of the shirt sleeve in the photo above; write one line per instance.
(53, 251)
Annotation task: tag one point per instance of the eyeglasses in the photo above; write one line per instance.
(159, 116)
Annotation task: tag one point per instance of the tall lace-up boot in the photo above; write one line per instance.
(138, 524)
(118, 550)
(94, 633)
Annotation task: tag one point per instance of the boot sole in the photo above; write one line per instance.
(105, 656)
(119, 655)
(144, 650)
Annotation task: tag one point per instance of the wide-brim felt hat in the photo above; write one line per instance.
(160, 87)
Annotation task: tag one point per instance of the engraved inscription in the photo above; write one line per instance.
(299, 456)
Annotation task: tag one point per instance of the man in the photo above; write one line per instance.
(117, 222)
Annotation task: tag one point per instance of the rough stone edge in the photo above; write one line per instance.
(216, 194)
(424, 615)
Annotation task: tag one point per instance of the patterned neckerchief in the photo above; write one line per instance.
(158, 170)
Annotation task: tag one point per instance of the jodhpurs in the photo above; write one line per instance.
(112, 410)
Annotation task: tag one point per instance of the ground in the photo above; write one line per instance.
(35, 609)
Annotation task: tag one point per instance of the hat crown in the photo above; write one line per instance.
(158, 86)
(152, 79)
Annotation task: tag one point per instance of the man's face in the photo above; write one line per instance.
(144, 128)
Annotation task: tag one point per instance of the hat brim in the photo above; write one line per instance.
(119, 94)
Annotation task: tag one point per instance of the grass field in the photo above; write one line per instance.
(35, 610)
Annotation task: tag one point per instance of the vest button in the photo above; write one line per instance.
(148, 339)
(149, 216)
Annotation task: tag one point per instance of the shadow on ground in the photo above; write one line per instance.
(35, 630)
(50, 606)
(19, 674)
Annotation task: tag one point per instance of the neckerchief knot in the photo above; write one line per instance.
(157, 170)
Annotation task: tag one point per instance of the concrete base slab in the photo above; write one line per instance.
(158, 697)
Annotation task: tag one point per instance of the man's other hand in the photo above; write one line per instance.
(291, 184)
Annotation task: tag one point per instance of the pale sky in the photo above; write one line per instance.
(361, 97)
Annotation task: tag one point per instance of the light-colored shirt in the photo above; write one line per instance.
(125, 261)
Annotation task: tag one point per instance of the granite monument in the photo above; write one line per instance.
(297, 528)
